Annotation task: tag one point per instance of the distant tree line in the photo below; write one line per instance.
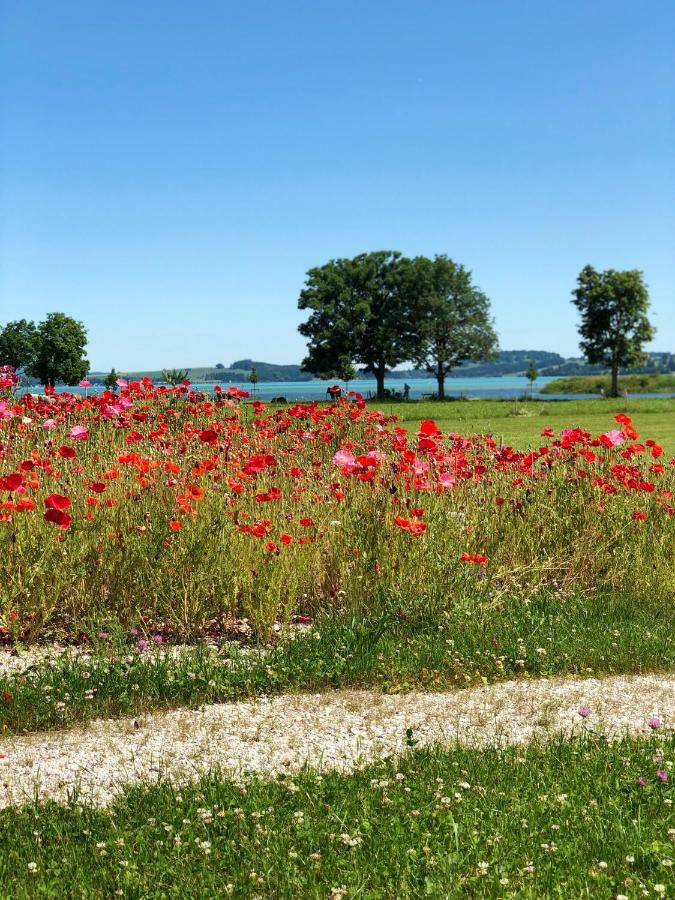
(379, 310)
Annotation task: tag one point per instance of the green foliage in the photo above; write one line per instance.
(110, 380)
(59, 357)
(18, 344)
(452, 319)
(614, 324)
(175, 376)
(253, 375)
(361, 310)
(599, 384)
(532, 372)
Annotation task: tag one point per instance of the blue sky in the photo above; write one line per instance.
(169, 171)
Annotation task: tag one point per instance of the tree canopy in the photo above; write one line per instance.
(382, 309)
(361, 311)
(59, 354)
(18, 344)
(452, 319)
(614, 324)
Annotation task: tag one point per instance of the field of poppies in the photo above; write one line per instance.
(174, 515)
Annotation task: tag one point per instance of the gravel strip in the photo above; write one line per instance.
(13, 665)
(340, 730)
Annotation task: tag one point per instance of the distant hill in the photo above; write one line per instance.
(508, 362)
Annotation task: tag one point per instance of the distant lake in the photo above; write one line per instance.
(506, 387)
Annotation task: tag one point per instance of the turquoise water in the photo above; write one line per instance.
(506, 387)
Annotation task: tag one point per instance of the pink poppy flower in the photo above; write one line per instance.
(344, 458)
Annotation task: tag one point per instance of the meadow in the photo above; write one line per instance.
(176, 514)
(319, 546)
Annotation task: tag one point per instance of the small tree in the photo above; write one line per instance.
(174, 376)
(345, 371)
(614, 324)
(18, 344)
(220, 366)
(253, 378)
(452, 319)
(110, 380)
(60, 347)
(532, 374)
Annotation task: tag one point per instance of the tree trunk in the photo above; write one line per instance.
(440, 378)
(379, 372)
(614, 388)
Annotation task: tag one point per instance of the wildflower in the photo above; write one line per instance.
(584, 711)
(654, 723)
(477, 558)
(662, 775)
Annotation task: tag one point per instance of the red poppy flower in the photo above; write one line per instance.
(58, 517)
(208, 436)
(476, 558)
(175, 526)
(428, 428)
(13, 482)
(57, 501)
(67, 452)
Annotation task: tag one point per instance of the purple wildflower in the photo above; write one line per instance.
(654, 722)
(662, 775)
(584, 711)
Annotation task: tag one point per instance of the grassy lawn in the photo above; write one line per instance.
(393, 648)
(564, 820)
(520, 423)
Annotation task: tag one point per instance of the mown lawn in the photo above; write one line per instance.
(577, 819)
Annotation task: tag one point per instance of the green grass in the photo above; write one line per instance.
(595, 384)
(521, 423)
(564, 820)
(395, 648)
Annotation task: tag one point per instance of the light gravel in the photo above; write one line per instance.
(341, 729)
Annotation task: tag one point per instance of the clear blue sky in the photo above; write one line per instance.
(170, 170)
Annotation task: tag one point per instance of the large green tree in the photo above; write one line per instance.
(60, 347)
(361, 311)
(614, 325)
(452, 319)
(18, 344)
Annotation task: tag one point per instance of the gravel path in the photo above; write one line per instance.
(332, 730)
